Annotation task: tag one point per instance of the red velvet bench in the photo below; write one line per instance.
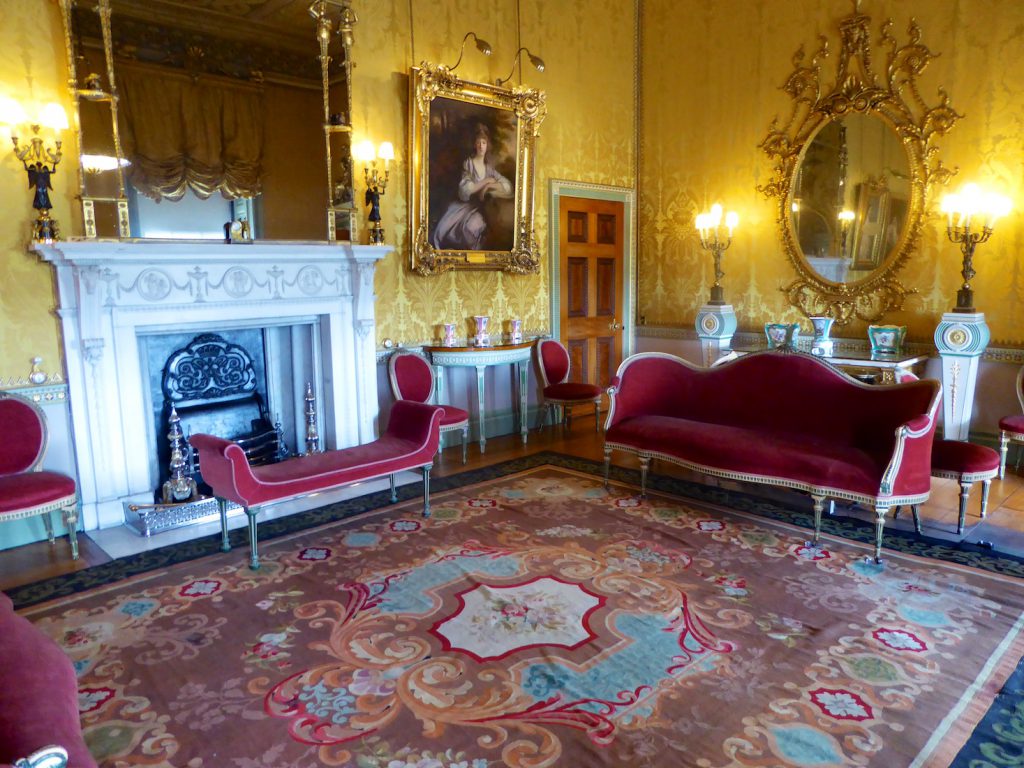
(779, 418)
(410, 442)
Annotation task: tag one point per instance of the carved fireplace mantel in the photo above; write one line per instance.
(113, 293)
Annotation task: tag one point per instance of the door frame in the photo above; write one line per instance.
(558, 188)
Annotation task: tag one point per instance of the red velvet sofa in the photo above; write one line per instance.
(780, 418)
(39, 695)
(410, 442)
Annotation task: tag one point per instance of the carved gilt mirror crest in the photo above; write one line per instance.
(852, 168)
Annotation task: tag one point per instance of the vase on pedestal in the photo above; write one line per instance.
(482, 337)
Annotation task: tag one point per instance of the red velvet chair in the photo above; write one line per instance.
(1012, 427)
(412, 378)
(967, 463)
(26, 489)
(559, 392)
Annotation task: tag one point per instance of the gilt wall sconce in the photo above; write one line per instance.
(971, 215)
(481, 45)
(39, 159)
(536, 61)
(376, 181)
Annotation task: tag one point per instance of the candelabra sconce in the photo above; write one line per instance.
(376, 181)
(536, 61)
(846, 218)
(964, 211)
(709, 226)
(40, 161)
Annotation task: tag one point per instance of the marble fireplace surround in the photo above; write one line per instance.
(112, 293)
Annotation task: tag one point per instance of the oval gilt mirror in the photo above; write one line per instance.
(852, 171)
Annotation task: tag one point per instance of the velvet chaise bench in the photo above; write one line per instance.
(780, 418)
(410, 442)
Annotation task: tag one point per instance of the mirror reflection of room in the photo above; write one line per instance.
(850, 197)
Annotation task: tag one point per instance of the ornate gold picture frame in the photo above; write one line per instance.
(471, 173)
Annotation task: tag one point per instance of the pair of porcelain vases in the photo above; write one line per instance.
(885, 339)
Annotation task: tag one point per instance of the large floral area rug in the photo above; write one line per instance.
(538, 620)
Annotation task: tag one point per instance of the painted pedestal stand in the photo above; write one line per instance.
(716, 324)
(961, 338)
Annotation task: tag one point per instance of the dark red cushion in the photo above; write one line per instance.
(572, 390)
(1013, 423)
(963, 458)
(555, 360)
(39, 703)
(30, 489)
(22, 433)
(816, 461)
(413, 377)
(453, 415)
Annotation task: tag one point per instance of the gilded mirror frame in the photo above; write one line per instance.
(429, 82)
(892, 96)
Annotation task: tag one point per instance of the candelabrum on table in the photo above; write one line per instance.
(716, 320)
(709, 227)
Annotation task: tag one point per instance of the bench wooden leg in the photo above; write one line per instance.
(254, 555)
(225, 543)
(985, 486)
(426, 491)
(394, 490)
(879, 526)
(819, 508)
(965, 491)
(607, 465)
(645, 465)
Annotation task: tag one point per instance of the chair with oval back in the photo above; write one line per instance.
(1011, 428)
(26, 489)
(558, 392)
(412, 378)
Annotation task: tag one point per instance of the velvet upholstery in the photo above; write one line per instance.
(410, 441)
(33, 489)
(1014, 423)
(964, 458)
(781, 418)
(1011, 428)
(39, 696)
(553, 363)
(24, 436)
(572, 390)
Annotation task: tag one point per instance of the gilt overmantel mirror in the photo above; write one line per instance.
(852, 170)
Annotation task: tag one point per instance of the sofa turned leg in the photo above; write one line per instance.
(965, 491)
(645, 465)
(985, 486)
(225, 543)
(607, 465)
(1004, 445)
(254, 555)
(819, 507)
(916, 510)
(394, 489)
(879, 526)
(426, 491)
(71, 522)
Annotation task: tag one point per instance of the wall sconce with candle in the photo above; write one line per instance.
(40, 161)
(971, 215)
(709, 226)
(376, 182)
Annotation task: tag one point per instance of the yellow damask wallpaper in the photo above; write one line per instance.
(711, 78)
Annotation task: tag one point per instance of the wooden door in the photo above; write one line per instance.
(591, 259)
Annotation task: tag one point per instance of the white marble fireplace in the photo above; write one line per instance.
(316, 298)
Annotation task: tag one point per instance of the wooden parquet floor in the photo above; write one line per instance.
(1003, 526)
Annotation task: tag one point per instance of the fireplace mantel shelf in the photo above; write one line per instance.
(111, 293)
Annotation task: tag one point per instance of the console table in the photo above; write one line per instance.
(861, 365)
(482, 358)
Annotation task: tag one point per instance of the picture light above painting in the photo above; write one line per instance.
(472, 173)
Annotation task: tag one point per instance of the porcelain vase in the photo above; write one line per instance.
(449, 335)
(482, 337)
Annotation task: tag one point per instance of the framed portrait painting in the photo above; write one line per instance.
(472, 173)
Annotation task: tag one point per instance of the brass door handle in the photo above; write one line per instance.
(614, 326)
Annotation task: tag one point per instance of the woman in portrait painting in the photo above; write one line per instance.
(463, 226)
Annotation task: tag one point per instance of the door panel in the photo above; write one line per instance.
(591, 262)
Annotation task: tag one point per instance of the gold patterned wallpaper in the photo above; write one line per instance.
(711, 85)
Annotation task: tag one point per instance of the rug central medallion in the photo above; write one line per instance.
(493, 621)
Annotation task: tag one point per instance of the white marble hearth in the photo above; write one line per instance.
(111, 294)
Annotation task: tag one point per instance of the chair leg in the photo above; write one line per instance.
(1004, 445)
(426, 491)
(71, 521)
(879, 527)
(645, 465)
(896, 512)
(607, 465)
(254, 555)
(597, 417)
(985, 486)
(916, 511)
(965, 490)
(465, 442)
(819, 507)
(566, 419)
(394, 490)
(48, 523)
(225, 542)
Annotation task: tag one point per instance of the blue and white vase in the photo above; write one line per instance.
(821, 344)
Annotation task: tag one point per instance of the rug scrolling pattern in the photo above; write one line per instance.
(536, 621)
